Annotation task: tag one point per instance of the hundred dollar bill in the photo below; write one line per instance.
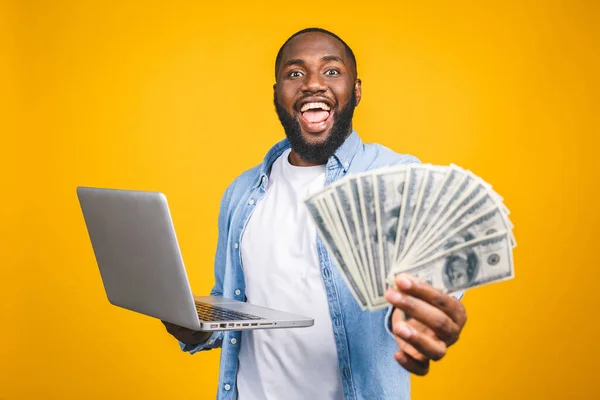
(362, 229)
(489, 222)
(390, 188)
(331, 240)
(462, 188)
(340, 225)
(499, 199)
(451, 180)
(430, 188)
(409, 201)
(470, 265)
(415, 210)
(367, 202)
(462, 205)
(343, 200)
(480, 203)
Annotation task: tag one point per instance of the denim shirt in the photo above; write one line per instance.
(365, 344)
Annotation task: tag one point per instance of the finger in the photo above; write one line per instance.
(430, 347)
(420, 327)
(448, 304)
(410, 350)
(410, 364)
(407, 347)
(435, 319)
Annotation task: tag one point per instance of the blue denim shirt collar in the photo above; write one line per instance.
(341, 158)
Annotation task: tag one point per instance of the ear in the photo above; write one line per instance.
(358, 90)
(275, 91)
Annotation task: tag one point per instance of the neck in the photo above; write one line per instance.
(298, 161)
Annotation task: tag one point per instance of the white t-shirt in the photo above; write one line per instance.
(281, 269)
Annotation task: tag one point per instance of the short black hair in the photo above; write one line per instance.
(321, 30)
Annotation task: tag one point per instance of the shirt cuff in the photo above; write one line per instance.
(388, 321)
(213, 341)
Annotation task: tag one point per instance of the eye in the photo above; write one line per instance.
(295, 74)
(332, 72)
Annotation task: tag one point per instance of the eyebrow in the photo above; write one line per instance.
(332, 58)
(299, 61)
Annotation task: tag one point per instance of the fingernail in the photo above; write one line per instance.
(403, 282)
(403, 330)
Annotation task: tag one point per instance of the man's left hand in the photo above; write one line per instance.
(434, 321)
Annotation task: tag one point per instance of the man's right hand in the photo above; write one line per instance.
(186, 335)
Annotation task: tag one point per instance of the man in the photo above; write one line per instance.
(269, 254)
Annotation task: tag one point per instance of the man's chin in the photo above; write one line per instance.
(315, 138)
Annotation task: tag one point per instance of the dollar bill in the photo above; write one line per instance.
(429, 191)
(343, 197)
(368, 205)
(453, 198)
(361, 223)
(470, 265)
(461, 205)
(443, 224)
(489, 222)
(441, 198)
(332, 241)
(410, 197)
(390, 188)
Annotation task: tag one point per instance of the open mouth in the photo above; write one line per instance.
(315, 116)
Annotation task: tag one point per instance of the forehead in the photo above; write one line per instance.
(459, 262)
(313, 45)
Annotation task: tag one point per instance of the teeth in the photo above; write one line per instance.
(312, 106)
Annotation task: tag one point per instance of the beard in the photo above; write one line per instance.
(317, 152)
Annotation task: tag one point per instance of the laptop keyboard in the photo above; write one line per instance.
(209, 312)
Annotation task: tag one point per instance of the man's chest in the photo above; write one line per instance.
(279, 244)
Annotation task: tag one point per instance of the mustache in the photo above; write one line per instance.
(327, 100)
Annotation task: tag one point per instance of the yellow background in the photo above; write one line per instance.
(177, 97)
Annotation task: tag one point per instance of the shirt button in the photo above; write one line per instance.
(346, 372)
(238, 292)
(236, 245)
(233, 341)
(326, 273)
(227, 386)
(251, 201)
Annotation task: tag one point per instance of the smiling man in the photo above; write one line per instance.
(269, 254)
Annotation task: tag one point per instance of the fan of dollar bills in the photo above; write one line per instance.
(441, 224)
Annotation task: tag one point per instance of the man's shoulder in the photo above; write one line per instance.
(243, 181)
(375, 155)
(251, 176)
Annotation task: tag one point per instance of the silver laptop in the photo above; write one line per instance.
(142, 270)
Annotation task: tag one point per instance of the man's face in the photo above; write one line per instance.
(457, 273)
(315, 94)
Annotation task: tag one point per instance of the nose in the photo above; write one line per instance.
(313, 83)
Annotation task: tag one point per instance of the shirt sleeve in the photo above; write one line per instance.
(214, 341)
